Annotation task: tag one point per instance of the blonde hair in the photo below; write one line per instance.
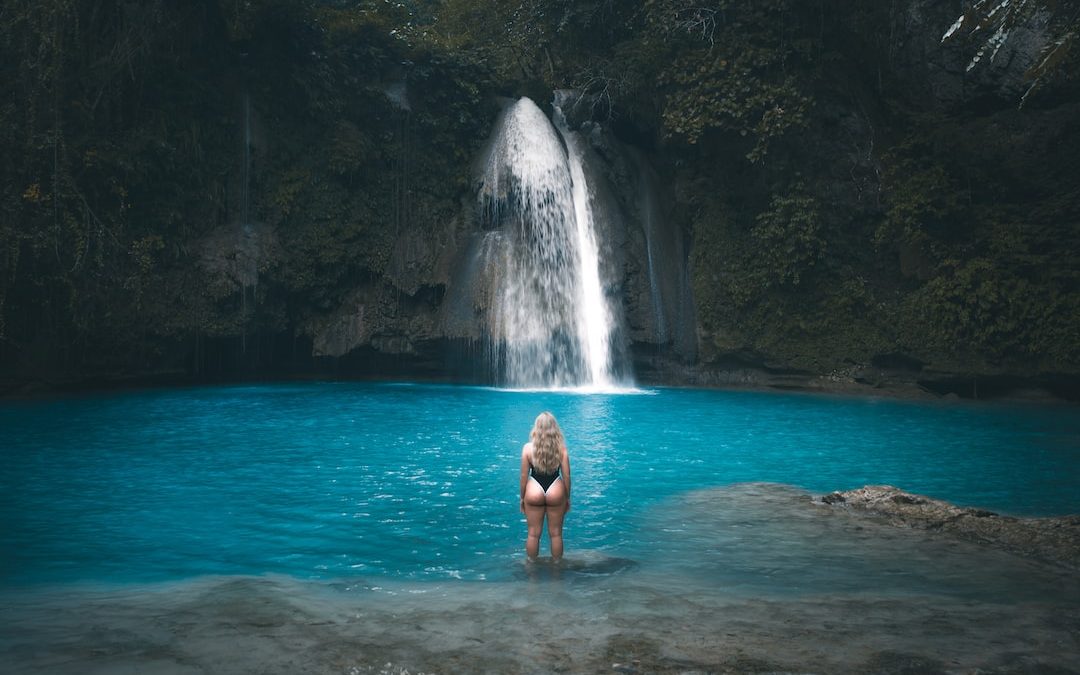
(547, 441)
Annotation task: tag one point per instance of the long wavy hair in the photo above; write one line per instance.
(547, 441)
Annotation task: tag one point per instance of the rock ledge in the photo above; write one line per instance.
(1055, 539)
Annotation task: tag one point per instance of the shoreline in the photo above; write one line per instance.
(901, 389)
(1052, 539)
(279, 626)
(984, 610)
(29, 390)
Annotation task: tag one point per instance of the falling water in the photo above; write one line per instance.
(594, 315)
(551, 322)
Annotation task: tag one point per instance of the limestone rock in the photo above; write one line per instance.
(1055, 539)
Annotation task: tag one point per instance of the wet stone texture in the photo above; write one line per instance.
(753, 578)
(1052, 539)
(285, 627)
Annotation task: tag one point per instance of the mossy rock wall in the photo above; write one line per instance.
(282, 187)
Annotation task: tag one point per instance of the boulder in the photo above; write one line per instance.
(1054, 539)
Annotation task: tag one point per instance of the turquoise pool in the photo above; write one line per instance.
(419, 482)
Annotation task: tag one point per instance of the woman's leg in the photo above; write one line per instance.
(534, 516)
(556, 511)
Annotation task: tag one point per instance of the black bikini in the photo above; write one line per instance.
(545, 479)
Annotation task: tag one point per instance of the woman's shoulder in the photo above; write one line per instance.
(527, 448)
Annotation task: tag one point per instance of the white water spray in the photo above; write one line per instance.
(551, 323)
(593, 313)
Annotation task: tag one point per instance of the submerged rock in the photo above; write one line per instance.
(1055, 539)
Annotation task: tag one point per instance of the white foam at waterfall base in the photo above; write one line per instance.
(551, 322)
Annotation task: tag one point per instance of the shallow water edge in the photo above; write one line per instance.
(1052, 539)
(276, 625)
(747, 578)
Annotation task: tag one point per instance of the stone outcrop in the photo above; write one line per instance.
(231, 256)
(927, 65)
(1055, 539)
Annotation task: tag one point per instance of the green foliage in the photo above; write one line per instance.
(998, 284)
(772, 287)
(980, 313)
(922, 201)
(101, 127)
(349, 147)
(728, 68)
(127, 162)
(285, 190)
(725, 66)
(125, 170)
(788, 237)
(527, 41)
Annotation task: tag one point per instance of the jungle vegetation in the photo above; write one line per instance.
(836, 207)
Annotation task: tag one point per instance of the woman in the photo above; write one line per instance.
(545, 484)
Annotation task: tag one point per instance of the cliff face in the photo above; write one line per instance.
(431, 308)
(911, 209)
(891, 220)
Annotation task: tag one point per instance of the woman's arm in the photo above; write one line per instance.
(524, 473)
(566, 474)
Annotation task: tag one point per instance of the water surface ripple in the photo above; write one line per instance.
(419, 482)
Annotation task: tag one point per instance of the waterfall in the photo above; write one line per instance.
(551, 323)
(593, 315)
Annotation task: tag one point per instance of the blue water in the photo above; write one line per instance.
(341, 480)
